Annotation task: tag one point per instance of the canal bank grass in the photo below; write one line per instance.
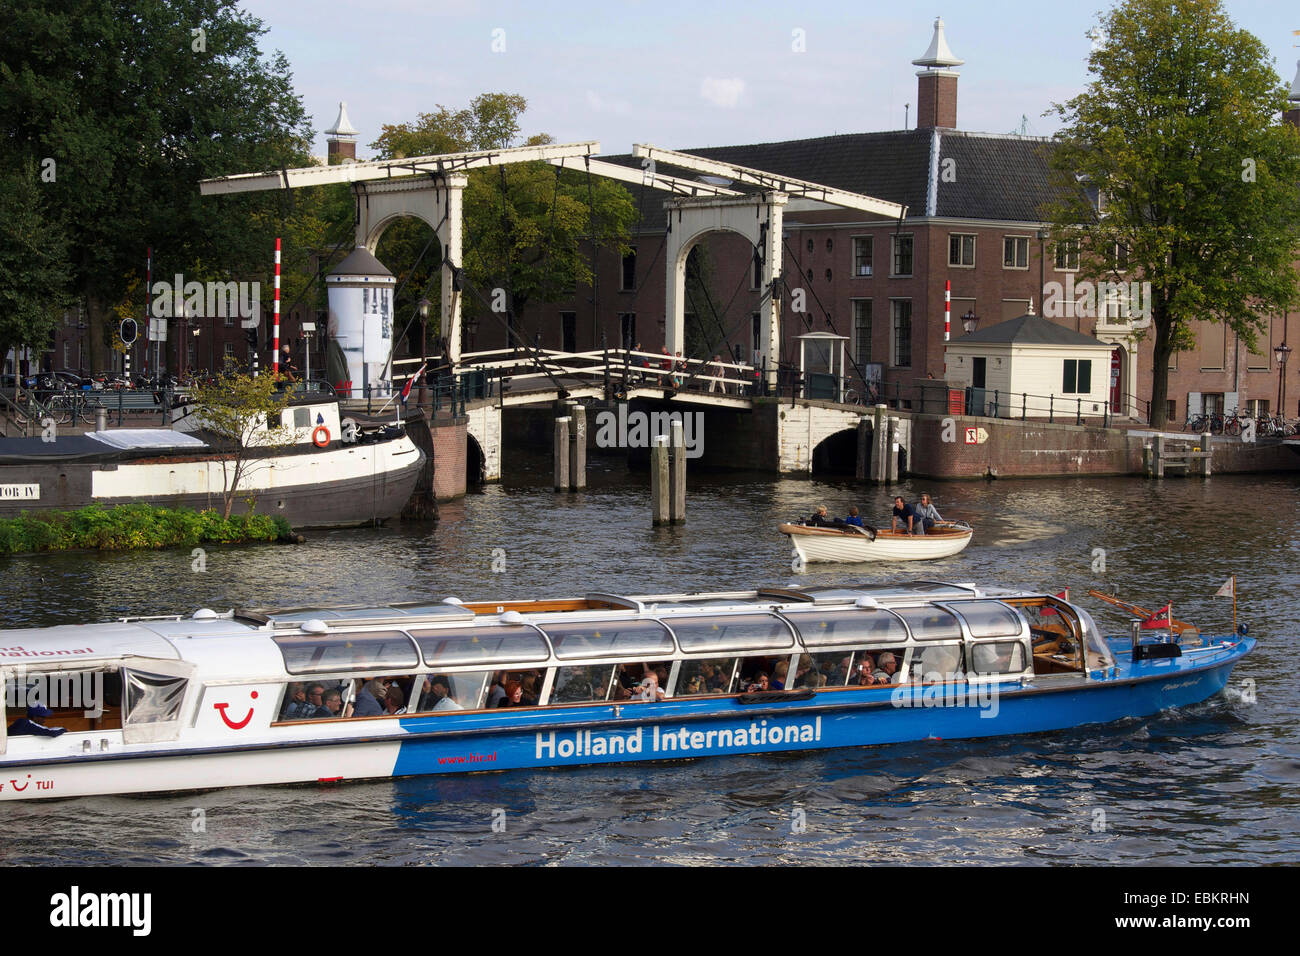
(135, 526)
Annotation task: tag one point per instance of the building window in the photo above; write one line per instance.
(902, 329)
(810, 277)
(902, 257)
(861, 332)
(627, 328)
(961, 250)
(830, 244)
(828, 275)
(811, 245)
(862, 256)
(1067, 255)
(1015, 252)
(1171, 410)
(755, 336)
(627, 279)
(1119, 256)
(756, 272)
(228, 350)
(1077, 379)
(568, 331)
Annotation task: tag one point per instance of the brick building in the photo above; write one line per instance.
(974, 219)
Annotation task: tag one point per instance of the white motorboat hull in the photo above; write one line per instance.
(832, 544)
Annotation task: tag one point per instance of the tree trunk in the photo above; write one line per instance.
(93, 356)
(1161, 353)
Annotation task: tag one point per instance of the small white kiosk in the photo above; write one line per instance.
(360, 326)
(821, 364)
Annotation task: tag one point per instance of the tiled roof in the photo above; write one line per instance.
(992, 177)
(1027, 330)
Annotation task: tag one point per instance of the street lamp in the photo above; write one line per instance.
(970, 321)
(1042, 266)
(424, 329)
(1282, 352)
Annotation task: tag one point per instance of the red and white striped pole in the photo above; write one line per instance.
(947, 308)
(148, 307)
(275, 332)
(947, 321)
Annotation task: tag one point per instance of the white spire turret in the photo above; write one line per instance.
(938, 54)
(1294, 97)
(343, 128)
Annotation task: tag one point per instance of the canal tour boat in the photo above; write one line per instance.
(216, 700)
(854, 543)
(332, 470)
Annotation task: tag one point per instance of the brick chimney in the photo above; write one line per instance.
(1292, 114)
(342, 142)
(936, 85)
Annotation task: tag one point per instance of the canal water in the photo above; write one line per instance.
(1213, 783)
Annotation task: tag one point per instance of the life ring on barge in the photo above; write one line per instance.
(320, 436)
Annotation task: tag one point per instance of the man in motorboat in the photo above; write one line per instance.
(31, 724)
(905, 515)
(927, 515)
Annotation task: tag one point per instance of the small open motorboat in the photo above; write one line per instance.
(851, 543)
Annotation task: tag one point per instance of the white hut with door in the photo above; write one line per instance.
(1032, 366)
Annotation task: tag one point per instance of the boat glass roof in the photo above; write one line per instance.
(864, 626)
(452, 647)
(609, 639)
(988, 618)
(731, 632)
(323, 653)
(930, 623)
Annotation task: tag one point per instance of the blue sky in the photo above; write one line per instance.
(695, 74)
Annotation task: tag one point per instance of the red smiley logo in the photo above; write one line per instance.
(14, 784)
(235, 725)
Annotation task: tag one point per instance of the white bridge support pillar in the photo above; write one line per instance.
(435, 199)
(689, 220)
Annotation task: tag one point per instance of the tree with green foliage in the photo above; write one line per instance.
(1179, 135)
(244, 415)
(128, 104)
(34, 262)
(525, 224)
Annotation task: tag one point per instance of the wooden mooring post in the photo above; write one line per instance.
(677, 472)
(862, 471)
(578, 448)
(660, 511)
(562, 452)
(1158, 457)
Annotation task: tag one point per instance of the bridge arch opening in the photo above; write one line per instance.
(399, 241)
(475, 464)
(837, 454)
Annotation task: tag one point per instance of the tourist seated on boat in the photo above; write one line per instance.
(926, 515)
(514, 695)
(904, 518)
(316, 702)
(695, 685)
(649, 689)
(31, 726)
(395, 701)
(296, 706)
(819, 519)
(759, 684)
(887, 668)
(497, 692)
(778, 675)
(532, 684)
(334, 704)
(437, 696)
(863, 672)
(854, 518)
(574, 685)
(370, 700)
(839, 675)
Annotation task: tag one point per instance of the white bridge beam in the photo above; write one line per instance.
(672, 184)
(391, 168)
(771, 181)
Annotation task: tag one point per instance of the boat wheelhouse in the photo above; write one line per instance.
(256, 697)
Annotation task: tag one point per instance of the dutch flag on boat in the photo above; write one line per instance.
(406, 389)
(1162, 618)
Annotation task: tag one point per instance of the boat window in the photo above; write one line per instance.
(153, 698)
(609, 639)
(583, 683)
(930, 623)
(762, 673)
(372, 650)
(712, 675)
(1099, 654)
(989, 619)
(77, 700)
(451, 647)
(445, 693)
(861, 667)
(997, 657)
(938, 662)
(503, 685)
(869, 626)
(731, 632)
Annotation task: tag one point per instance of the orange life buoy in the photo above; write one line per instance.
(321, 436)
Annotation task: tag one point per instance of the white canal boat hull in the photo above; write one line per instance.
(832, 544)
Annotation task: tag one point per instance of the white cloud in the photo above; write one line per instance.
(599, 104)
(724, 92)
